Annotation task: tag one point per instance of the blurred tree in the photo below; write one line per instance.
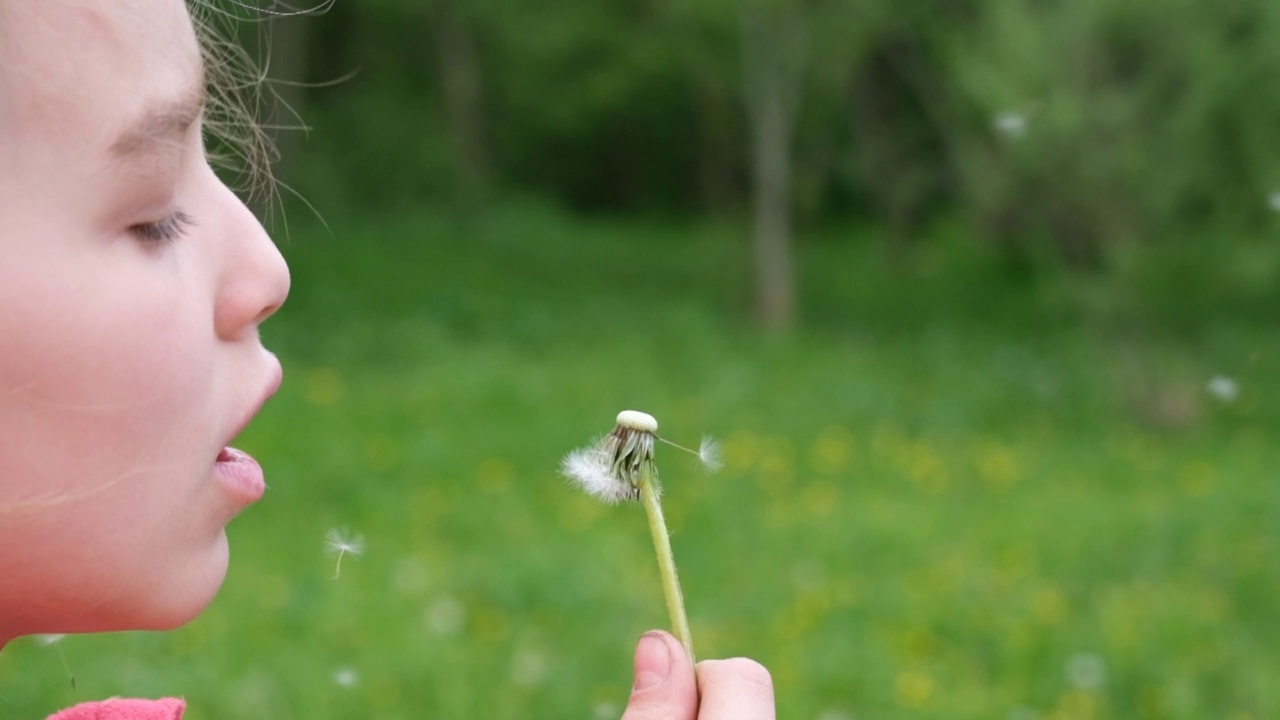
(1066, 131)
(1093, 126)
(899, 117)
(774, 35)
(463, 95)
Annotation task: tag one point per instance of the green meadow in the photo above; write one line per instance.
(953, 493)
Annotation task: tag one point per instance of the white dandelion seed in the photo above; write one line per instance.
(52, 641)
(589, 468)
(1012, 125)
(709, 454)
(345, 677)
(340, 543)
(1223, 388)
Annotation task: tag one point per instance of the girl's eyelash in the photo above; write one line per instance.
(163, 231)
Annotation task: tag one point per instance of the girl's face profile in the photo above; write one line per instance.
(132, 285)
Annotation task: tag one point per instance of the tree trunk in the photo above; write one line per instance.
(772, 44)
(718, 158)
(771, 166)
(287, 62)
(463, 97)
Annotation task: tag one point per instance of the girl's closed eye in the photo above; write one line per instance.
(163, 231)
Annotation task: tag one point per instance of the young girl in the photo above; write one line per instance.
(132, 287)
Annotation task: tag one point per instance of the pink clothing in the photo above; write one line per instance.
(121, 709)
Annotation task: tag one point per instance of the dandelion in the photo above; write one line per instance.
(620, 467)
(340, 542)
(1223, 388)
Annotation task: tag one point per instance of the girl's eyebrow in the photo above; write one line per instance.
(160, 125)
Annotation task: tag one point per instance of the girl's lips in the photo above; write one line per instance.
(241, 476)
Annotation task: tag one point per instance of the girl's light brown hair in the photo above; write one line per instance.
(236, 94)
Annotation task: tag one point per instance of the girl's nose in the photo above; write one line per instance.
(255, 278)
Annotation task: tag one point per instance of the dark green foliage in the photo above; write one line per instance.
(1141, 121)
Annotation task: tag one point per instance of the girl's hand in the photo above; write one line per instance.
(665, 688)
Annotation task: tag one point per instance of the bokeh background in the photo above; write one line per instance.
(979, 295)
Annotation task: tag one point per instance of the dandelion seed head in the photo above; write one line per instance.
(614, 467)
(341, 542)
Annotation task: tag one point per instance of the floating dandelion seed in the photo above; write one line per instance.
(52, 641)
(339, 542)
(345, 677)
(1223, 388)
(620, 467)
(709, 455)
(1011, 124)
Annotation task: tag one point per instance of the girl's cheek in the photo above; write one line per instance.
(110, 367)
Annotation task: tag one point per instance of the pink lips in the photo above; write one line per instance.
(241, 475)
(236, 470)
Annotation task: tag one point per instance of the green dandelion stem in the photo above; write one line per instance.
(666, 563)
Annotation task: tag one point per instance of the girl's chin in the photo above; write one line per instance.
(179, 599)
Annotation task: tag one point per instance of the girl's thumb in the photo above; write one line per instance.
(665, 687)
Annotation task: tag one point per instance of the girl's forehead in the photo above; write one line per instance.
(83, 65)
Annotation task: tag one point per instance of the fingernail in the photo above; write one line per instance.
(653, 662)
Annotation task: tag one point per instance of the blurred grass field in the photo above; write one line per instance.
(937, 502)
